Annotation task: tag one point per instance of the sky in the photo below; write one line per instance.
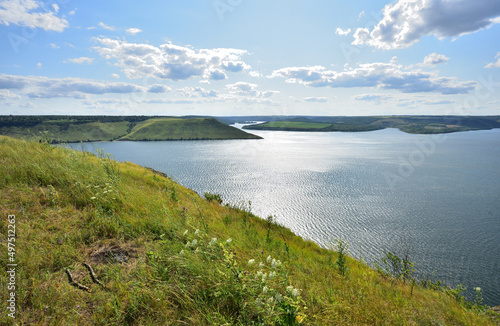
(250, 57)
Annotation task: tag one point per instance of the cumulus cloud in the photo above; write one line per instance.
(249, 90)
(404, 22)
(44, 87)
(170, 61)
(494, 64)
(378, 75)
(157, 88)
(340, 31)
(32, 14)
(6, 94)
(133, 31)
(434, 59)
(375, 98)
(82, 60)
(195, 92)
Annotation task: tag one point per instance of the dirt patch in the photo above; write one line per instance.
(112, 253)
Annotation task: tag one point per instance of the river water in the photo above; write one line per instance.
(435, 196)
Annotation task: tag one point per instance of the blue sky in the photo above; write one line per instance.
(250, 57)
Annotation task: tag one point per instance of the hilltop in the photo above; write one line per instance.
(57, 129)
(100, 242)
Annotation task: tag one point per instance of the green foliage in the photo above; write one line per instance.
(342, 248)
(213, 197)
(400, 268)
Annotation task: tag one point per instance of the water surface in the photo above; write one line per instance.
(438, 196)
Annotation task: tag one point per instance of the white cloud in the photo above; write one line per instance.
(434, 59)
(133, 31)
(39, 65)
(6, 94)
(196, 92)
(310, 99)
(375, 98)
(72, 12)
(255, 74)
(377, 75)
(82, 60)
(115, 76)
(406, 21)
(170, 61)
(44, 87)
(30, 13)
(54, 46)
(55, 7)
(494, 64)
(157, 88)
(340, 31)
(109, 28)
(249, 90)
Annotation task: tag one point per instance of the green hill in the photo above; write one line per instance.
(185, 129)
(409, 124)
(99, 242)
(58, 129)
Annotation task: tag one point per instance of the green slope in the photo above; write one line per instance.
(161, 254)
(58, 129)
(185, 129)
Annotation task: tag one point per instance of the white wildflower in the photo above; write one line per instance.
(270, 300)
(194, 243)
(251, 262)
(259, 274)
(478, 289)
(272, 275)
(181, 253)
(289, 289)
(279, 297)
(228, 241)
(188, 244)
(265, 289)
(197, 250)
(261, 265)
(196, 232)
(269, 259)
(212, 242)
(185, 232)
(264, 277)
(295, 292)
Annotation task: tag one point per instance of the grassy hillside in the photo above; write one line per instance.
(183, 129)
(58, 129)
(162, 255)
(410, 124)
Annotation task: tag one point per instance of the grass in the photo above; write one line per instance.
(182, 129)
(166, 256)
(409, 124)
(62, 129)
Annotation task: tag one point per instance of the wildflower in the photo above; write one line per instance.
(264, 277)
(188, 244)
(289, 289)
(259, 274)
(194, 243)
(261, 265)
(279, 297)
(105, 192)
(228, 241)
(272, 275)
(185, 232)
(295, 292)
(197, 250)
(196, 232)
(92, 198)
(273, 263)
(181, 253)
(212, 242)
(270, 300)
(251, 262)
(258, 302)
(299, 319)
(265, 289)
(269, 259)
(478, 289)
